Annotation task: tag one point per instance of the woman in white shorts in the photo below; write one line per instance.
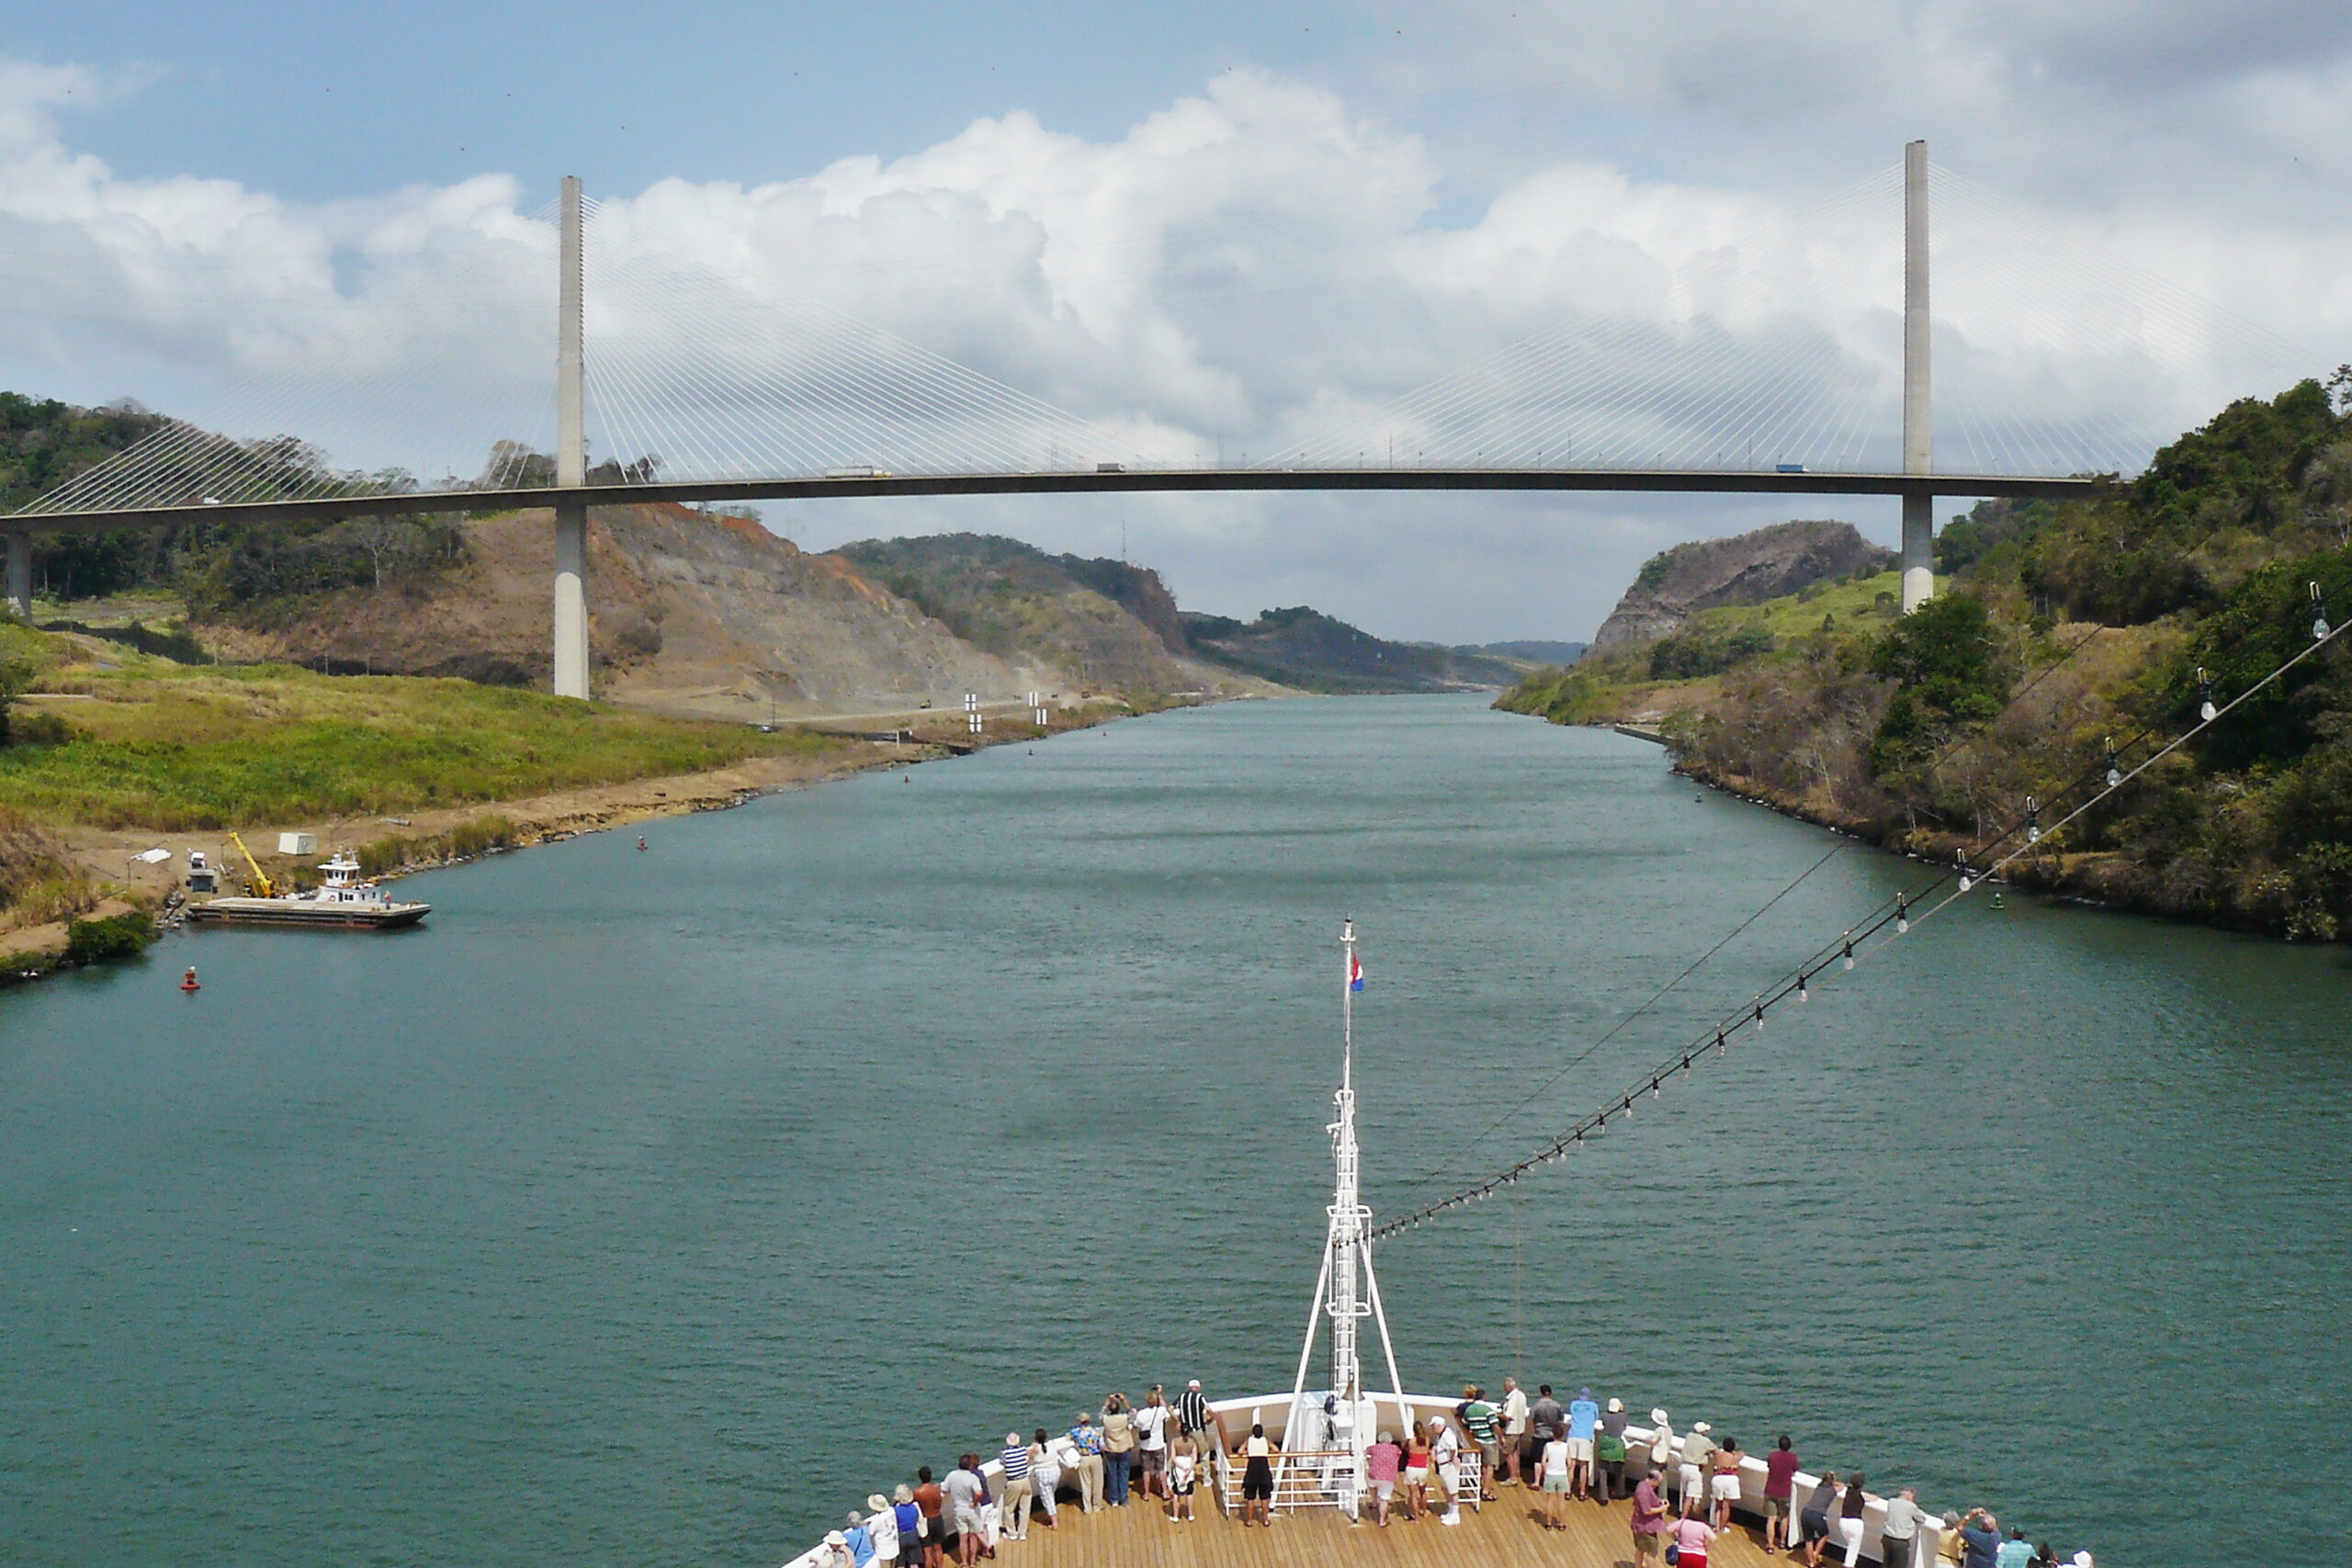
(1723, 1487)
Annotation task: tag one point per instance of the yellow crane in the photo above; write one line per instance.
(262, 884)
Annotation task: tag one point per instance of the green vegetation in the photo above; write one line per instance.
(395, 851)
(109, 936)
(1949, 676)
(2064, 625)
(40, 881)
(159, 745)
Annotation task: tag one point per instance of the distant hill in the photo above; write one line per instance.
(1746, 569)
(1100, 625)
(1532, 651)
(1315, 652)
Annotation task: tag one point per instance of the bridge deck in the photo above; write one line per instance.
(1504, 1534)
(1702, 481)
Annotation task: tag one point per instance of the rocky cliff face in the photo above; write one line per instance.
(688, 613)
(1746, 569)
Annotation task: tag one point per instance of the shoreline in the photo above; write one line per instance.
(34, 953)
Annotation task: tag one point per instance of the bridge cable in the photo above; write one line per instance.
(1853, 947)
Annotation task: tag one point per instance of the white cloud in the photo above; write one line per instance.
(1242, 269)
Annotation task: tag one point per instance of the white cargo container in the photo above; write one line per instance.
(297, 843)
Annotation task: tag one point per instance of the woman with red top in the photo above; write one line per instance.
(1417, 1472)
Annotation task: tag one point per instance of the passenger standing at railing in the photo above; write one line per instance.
(929, 1503)
(1118, 1449)
(1724, 1485)
(1897, 1536)
(1013, 1460)
(1613, 1429)
(1045, 1474)
(882, 1530)
(1698, 1456)
(908, 1517)
(1779, 1480)
(1813, 1522)
(1257, 1473)
(1417, 1472)
(1153, 1424)
(1545, 1419)
(961, 1495)
(1447, 1458)
(1484, 1421)
(1662, 1450)
(1088, 1470)
(1584, 1420)
(1849, 1520)
(1195, 1417)
(1515, 1429)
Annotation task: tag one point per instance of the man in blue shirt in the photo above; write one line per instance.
(1980, 1536)
(1583, 1417)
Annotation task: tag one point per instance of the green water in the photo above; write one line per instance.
(654, 1208)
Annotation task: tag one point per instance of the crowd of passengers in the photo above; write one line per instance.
(1682, 1488)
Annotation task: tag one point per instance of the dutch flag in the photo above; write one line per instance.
(1355, 972)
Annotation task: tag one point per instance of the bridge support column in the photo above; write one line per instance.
(571, 673)
(20, 574)
(571, 602)
(1919, 423)
(1918, 551)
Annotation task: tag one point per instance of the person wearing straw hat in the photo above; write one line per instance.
(882, 1531)
(836, 1550)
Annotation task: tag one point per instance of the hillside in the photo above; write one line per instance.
(1766, 563)
(2057, 627)
(1065, 620)
(1315, 652)
(688, 613)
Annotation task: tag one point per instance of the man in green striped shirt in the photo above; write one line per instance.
(1482, 1421)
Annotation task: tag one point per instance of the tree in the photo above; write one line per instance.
(1948, 675)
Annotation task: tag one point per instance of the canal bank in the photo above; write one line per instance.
(657, 1212)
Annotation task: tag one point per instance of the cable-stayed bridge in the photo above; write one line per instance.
(699, 386)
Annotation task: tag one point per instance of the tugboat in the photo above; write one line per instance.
(344, 899)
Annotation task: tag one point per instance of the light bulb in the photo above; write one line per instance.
(1850, 950)
(1803, 995)
(1966, 882)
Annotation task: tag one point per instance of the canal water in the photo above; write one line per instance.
(654, 1208)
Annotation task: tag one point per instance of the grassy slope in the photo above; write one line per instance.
(166, 746)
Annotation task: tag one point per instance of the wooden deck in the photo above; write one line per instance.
(1504, 1534)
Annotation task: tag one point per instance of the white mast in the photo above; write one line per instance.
(1347, 1266)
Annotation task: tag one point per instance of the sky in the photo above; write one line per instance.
(1199, 230)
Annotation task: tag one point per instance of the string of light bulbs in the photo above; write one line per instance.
(1851, 947)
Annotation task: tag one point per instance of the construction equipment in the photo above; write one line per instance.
(262, 886)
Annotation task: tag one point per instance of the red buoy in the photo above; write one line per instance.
(188, 981)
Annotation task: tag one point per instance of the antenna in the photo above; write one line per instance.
(1329, 1434)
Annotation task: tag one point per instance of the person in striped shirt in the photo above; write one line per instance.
(1014, 1458)
(1482, 1421)
(1197, 1421)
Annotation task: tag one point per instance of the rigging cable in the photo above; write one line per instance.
(1950, 749)
(1850, 948)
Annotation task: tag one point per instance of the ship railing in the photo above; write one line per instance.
(1309, 1478)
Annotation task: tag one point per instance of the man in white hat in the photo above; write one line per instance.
(1697, 1449)
(837, 1554)
(1018, 1488)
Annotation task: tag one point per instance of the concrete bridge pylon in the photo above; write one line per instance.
(1919, 423)
(571, 672)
